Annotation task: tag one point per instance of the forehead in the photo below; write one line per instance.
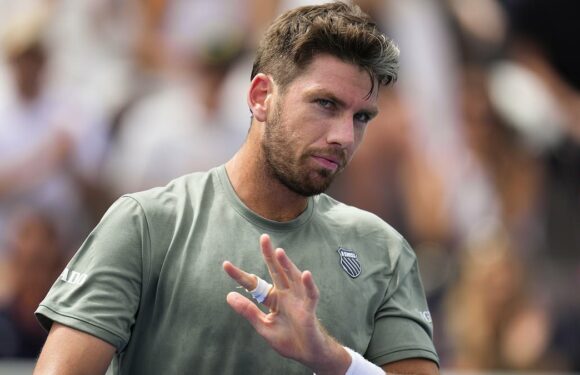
(347, 81)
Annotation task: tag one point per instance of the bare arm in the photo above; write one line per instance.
(68, 351)
(415, 366)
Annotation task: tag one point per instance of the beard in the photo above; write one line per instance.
(293, 171)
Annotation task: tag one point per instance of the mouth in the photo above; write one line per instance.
(327, 162)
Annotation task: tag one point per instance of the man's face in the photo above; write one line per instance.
(314, 127)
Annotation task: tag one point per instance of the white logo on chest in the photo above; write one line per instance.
(73, 277)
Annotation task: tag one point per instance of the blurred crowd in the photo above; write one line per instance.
(475, 157)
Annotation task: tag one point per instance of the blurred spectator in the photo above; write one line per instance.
(430, 85)
(190, 123)
(544, 44)
(495, 320)
(49, 143)
(511, 165)
(35, 260)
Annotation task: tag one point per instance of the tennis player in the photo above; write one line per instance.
(313, 285)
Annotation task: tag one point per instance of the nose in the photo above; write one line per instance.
(342, 133)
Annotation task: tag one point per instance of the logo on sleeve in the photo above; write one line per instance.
(349, 262)
(426, 315)
(73, 277)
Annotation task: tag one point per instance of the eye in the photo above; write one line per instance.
(325, 103)
(362, 117)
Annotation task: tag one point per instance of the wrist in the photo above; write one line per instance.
(360, 366)
(335, 361)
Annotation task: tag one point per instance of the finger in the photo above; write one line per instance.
(311, 289)
(247, 309)
(247, 280)
(276, 271)
(292, 272)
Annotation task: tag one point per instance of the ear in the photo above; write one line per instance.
(260, 89)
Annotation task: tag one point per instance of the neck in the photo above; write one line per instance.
(257, 188)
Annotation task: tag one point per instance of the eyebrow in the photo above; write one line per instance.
(371, 112)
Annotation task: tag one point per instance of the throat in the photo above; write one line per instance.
(272, 200)
(265, 196)
(283, 213)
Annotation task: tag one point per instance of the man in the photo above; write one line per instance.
(145, 288)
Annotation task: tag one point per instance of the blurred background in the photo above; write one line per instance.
(475, 157)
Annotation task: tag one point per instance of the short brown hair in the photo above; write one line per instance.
(339, 29)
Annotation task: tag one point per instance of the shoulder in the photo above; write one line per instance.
(167, 211)
(184, 194)
(181, 189)
(353, 218)
(366, 229)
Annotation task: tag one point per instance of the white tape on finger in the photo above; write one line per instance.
(261, 291)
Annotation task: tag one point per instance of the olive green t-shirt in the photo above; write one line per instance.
(149, 281)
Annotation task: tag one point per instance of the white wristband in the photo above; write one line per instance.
(360, 366)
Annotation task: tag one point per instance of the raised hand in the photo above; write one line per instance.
(291, 327)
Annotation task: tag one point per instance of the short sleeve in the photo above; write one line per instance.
(99, 290)
(403, 327)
